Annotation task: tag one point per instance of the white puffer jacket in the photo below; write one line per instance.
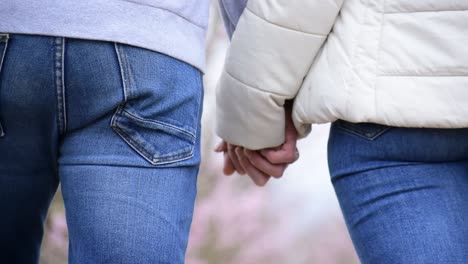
(394, 62)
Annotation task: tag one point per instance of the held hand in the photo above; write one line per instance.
(231, 163)
(264, 164)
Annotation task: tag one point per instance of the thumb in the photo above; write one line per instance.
(221, 147)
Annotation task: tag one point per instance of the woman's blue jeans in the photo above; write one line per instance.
(403, 191)
(119, 127)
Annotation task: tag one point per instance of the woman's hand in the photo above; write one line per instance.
(261, 165)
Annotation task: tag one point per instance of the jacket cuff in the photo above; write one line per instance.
(249, 117)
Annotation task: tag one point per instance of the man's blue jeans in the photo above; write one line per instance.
(119, 127)
(403, 191)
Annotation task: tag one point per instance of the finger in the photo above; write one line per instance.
(291, 132)
(258, 177)
(221, 147)
(285, 155)
(290, 143)
(228, 166)
(287, 152)
(296, 154)
(235, 161)
(259, 162)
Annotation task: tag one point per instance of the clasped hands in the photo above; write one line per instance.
(261, 165)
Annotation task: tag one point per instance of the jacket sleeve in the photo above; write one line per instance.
(272, 49)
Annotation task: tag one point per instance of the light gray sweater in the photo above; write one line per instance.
(173, 27)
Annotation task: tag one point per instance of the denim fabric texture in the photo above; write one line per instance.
(403, 191)
(119, 127)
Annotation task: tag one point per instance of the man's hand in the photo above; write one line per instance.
(263, 164)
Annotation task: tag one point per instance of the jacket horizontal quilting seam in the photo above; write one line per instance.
(424, 75)
(408, 60)
(426, 11)
(283, 27)
(252, 87)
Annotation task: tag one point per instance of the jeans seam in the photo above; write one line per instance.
(199, 105)
(3, 38)
(59, 70)
(139, 146)
(131, 81)
(122, 74)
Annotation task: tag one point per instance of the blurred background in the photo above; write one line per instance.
(294, 220)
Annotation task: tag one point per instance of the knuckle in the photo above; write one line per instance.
(291, 156)
(280, 171)
(273, 158)
(230, 152)
(269, 155)
(278, 174)
(261, 183)
(253, 160)
(258, 180)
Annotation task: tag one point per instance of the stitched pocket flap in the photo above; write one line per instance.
(157, 142)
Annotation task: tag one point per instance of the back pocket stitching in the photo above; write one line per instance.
(363, 133)
(158, 123)
(141, 148)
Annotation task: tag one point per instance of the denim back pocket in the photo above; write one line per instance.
(160, 115)
(369, 131)
(3, 48)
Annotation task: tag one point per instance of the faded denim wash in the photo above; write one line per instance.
(119, 127)
(403, 191)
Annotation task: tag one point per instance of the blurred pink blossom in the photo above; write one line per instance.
(235, 224)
